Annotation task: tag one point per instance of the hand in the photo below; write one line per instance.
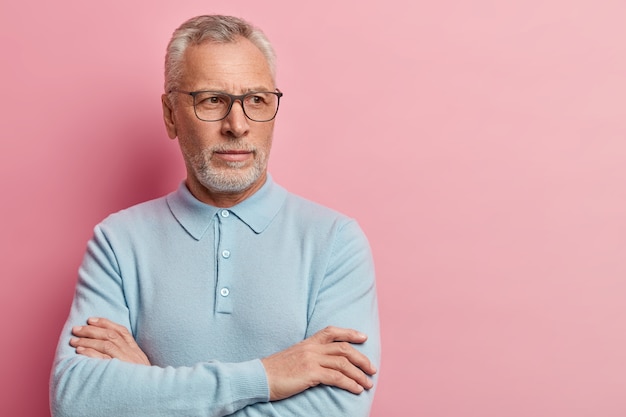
(326, 358)
(104, 339)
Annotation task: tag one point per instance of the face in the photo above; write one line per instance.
(226, 160)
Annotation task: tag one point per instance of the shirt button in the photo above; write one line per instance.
(226, 254)
(224, 292)
(225, 213)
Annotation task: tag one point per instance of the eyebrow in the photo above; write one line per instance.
(246, 91)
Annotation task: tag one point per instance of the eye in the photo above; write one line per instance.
(211, 99)
(256, 99)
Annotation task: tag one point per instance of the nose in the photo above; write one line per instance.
(235, 125)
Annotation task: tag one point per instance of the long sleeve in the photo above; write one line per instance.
(345, 298)
(82, 386)
(207, 293)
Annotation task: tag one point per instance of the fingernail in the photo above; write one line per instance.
(76, 329)
(93, 319)
(73, 341)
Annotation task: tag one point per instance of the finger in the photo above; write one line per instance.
(338, 379)
(105, 347)
(111, 325)
(338, 334)
(351, 354)
(92, 332)
(104, 323)
(111, 349)
(91, 353)
(347, 368)
(109, 339)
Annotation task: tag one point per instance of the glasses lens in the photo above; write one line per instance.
(211, 105)
(261, 107)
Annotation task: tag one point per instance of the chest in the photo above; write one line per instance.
(231, 296)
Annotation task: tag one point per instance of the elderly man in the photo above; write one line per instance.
(229, 296)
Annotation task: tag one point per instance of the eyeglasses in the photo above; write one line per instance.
(213, 106)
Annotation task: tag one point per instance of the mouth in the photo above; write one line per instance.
(233, 155)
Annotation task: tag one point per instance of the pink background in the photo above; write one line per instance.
(480, 144)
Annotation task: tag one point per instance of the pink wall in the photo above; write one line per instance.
(481, 145)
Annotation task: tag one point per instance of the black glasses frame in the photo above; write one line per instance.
(233, 98)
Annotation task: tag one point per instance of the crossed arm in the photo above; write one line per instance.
(326, 358)
(330, 372)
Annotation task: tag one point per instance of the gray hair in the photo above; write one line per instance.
(211, 28)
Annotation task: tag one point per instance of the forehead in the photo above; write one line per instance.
(238, 65)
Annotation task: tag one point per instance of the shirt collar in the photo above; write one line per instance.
(257, 211)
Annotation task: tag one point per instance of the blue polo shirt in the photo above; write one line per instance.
(207, 292)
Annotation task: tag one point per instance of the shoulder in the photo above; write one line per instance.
(144, 214)
(306, 209)
(319, 219)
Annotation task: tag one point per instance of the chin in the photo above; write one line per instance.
(227, 181)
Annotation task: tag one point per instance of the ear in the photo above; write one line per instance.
(168, 116)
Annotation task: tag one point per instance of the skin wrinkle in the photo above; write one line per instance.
(237, 68)
(223, 181)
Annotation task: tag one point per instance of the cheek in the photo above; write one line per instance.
(265, 137)
(199, 135)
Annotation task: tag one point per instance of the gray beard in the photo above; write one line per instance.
(232, 178)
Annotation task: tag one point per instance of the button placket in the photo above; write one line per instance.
(225, 264)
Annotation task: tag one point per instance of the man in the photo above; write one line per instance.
(229, 296)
